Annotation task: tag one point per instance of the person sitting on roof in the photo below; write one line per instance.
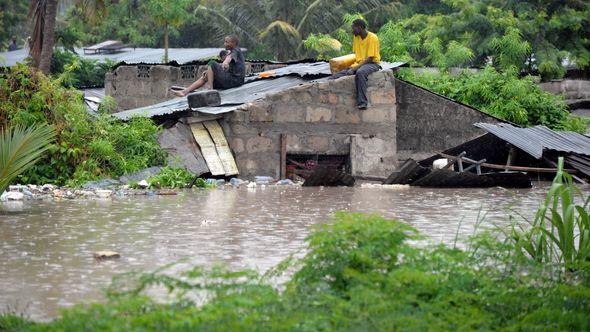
(229, 74)
(12, 46)
(366, 49)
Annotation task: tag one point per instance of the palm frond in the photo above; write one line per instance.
(20, 148)
(222, 25)
(283, 28)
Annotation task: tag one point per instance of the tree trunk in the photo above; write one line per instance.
(48, 36)
(166, 43)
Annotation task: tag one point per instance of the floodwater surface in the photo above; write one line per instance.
(46, 248)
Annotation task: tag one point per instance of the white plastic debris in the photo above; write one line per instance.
(143, 184)
(440, 164)
(12, 196)
(386, 186)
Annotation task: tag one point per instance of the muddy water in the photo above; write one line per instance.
(46, 247)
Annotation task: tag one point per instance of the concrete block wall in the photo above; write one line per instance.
(571, 89)
(428, 123)
(143, 85)
(315, 118)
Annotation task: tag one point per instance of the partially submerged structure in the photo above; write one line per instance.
(290, 118)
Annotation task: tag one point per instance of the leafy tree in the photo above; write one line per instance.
(283, 25)
(13, 16)
(167, 13)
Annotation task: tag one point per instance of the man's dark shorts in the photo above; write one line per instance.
(223, 79)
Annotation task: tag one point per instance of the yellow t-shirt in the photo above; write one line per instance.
(364, 48)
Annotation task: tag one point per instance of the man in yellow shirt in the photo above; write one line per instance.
(366, 49)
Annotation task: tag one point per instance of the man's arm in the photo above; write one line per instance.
(225, 63)
(353, 70)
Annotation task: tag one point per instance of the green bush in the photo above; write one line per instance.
(86, 147)
(79, 72)
(171, 177)
(501, 94)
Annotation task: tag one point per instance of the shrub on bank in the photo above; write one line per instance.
(86, 147)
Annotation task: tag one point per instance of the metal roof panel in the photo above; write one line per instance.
(537, 139)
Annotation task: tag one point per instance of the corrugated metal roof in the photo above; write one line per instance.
(128, 55)
(316, 69)
(231, 99)
(254, 89)
(537, 139)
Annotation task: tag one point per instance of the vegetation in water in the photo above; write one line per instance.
(364, 272)
(560, 232)
(85, 147)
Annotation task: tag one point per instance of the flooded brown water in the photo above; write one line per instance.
(46, 249)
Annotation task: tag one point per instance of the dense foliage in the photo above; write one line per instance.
(80, 72)
(13, 21)
(501, 94)
(360, 273)
(85, 148)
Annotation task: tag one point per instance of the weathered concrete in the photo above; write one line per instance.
(143, 85)
(572, 90)
(428, 123)
(316, 118)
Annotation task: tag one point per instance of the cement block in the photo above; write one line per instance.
(293, 143)
(259, 144)
(347, 115)
(382, 96)
(284, 114)
(318, 114)
(377, 114)
(318, 143)
(372, 156)
(237, 145)
(260, 112)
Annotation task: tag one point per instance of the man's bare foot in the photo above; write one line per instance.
(178, 93)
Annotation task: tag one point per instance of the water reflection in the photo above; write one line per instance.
(46, 247)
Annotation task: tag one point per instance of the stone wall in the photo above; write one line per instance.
(317, 118)
(572, 90)
(143, 85)
(428, 123)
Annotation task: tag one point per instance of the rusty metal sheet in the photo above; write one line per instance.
(222, 147)
(539, 138)
(208, 149)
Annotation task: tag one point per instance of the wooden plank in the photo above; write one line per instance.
(199, 117)
(208, 149)
(222, 147)
(283, 171)
(514, 168)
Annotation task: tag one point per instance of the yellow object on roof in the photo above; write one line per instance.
(342, 62)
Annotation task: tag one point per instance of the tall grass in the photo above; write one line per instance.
(20, 148)
(560, 232)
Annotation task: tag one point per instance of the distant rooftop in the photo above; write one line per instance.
(127, 55)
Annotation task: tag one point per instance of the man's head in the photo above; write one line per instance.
(358, 27)
(230, 42)
(14, 39)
